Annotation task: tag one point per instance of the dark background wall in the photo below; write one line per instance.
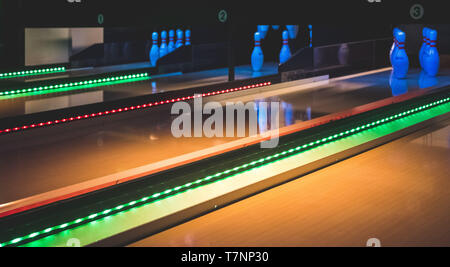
(2, 45)
(133, 22)
(326, 34)
(12, 35)
(213, 38)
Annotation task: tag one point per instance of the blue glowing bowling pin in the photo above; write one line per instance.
(285, 53)
(394, 45)
(171, 46)
(431, 61)
(263, 30)
(154, 52)
(424, 45)
(188, 37)
(293, 31)
(163, 50)
(179, 39)
(400, 60)
(257, 55)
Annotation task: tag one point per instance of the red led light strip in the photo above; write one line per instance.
(126, 109)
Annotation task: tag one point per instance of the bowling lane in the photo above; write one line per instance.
(15, 106)
(80, 72)
(56, 157)
(399, 194)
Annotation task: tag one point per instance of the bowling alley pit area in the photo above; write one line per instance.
(219, 135)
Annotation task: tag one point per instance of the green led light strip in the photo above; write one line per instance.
(31, 72)
(220, 176)
(79, 85)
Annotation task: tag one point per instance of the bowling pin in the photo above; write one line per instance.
(394, 45)
(424, 45)
(163, 50)
(257, 55)
(275, 27)
(179, 39)
(400, 61)
(154, 52)
(285, 53)
(171, 46)
(188, 37)
(263, 30)
(293, 31)
(431, 60)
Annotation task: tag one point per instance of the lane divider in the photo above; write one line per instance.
(34, 72)
(77, 85)
(125, 109)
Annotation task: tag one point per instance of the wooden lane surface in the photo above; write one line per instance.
(398, 193)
